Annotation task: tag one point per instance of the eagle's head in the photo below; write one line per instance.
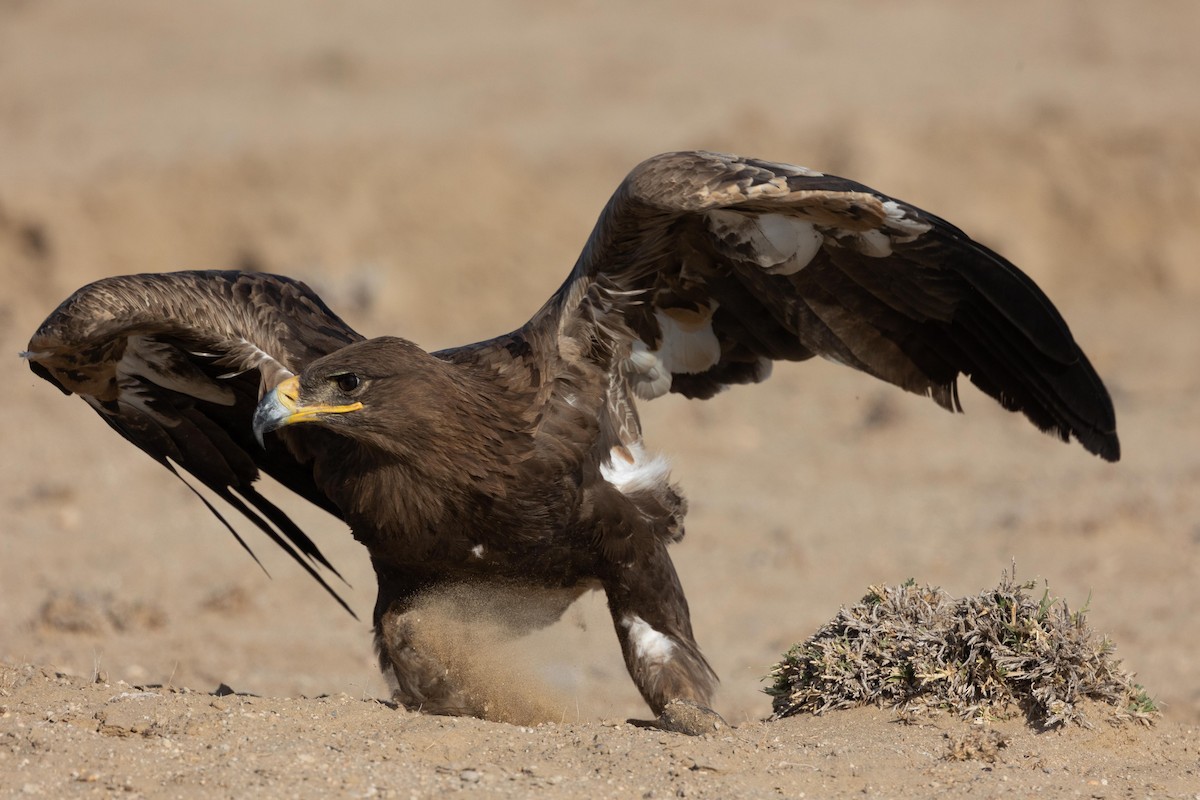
(371, 391)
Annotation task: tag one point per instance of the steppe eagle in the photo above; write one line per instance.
(519, 460)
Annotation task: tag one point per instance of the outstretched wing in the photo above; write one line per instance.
(716, 265)
(176, 364)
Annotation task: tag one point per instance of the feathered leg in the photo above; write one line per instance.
(651, 617)
(422, 682)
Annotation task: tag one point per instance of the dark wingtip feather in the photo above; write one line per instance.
(1021, 351)
(290, 529)
(263, 525)
(216, 513)
(303, 542)
(1103, 443)
(1110, 450)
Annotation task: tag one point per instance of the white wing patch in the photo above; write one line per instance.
(905, 227)
(688, 345)
(784, 244)
(649, 376)
(688, 342)
(648, 644)
(780, 244)
(874, 243)
(630, 470)
(898, 228)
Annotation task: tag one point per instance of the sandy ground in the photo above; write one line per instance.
(433, 172)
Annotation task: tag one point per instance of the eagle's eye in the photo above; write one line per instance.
(347, 381)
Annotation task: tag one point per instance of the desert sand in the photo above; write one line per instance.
(433, 172)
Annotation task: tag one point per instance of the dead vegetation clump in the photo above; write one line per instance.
(917, 649)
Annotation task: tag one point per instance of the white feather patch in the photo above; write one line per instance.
(650, 376)
(630, 470)
(688, 346)
(898, 228)
(899, 222)
(688, 342)
(792, 241)
(648, 644)
(780, 244)
(875, 243)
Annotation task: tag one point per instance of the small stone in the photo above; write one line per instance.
(470, 776)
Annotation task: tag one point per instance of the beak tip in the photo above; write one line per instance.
(269, 415)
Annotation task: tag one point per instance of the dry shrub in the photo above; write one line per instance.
(916, 649)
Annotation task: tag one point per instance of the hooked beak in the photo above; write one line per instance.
(281, 406)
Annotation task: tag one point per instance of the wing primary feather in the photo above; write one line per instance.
(234, 500)
(262, 524)
(290, 529)
(216, 513)
(1062, 397)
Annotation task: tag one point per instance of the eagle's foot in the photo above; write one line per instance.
(420, 680)
(688, 718)
(421, 683)
(450, 704)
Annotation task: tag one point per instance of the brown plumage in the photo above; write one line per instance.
(519, 460)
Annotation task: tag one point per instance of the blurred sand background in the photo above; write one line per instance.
(433, 171)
